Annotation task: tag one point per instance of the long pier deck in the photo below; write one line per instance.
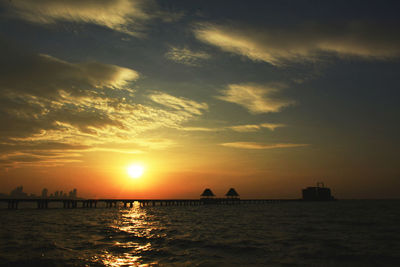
(43, 203)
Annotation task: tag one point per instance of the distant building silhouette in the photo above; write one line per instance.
(18, 192)
(74, 193)
(318, 193)
(207, 193)
(232, 194)
(44, 192)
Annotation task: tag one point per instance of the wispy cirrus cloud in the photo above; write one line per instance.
(179, 103)
(255, 145)
(128, 16)
(44, 154)
(237, 128)
(199, 129)
(186, 56)
(255, 98)
(256, 127)
(307, 42)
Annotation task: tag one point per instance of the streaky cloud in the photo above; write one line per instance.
(306, 42)
(256, 98)
(179, 103)
(199, 129)
(255, 145)
(237, 128)
(256, 127)
(186, 56)
(46, 76)
(127, 16)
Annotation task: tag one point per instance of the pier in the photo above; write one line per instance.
(319, 193)
(42, 203)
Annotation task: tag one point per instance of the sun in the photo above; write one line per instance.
(135, 170)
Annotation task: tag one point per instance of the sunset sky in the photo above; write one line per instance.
(267, 97)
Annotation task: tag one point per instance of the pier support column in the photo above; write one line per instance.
(13, 204)
(42, 204)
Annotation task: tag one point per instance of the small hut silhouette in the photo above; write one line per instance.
(207, 194)
(232, 194)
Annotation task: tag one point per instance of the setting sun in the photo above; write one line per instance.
(135, 171)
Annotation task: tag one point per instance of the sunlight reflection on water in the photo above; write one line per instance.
(133, 222)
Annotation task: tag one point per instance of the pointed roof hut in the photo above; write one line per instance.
(207, 193)
(232, 193)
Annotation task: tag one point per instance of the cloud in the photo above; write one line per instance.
(256, 98)
(179, 103)
(126, 16)
(198, 129)
(186, 56)
(47, 103)
(256, 127)
(44, 75)
(307, 42)
(237, 128)
(254, 145)
(18, 153)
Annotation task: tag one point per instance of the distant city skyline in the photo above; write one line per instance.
(18, 192)
(161, 99)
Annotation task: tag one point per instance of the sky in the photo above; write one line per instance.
(268, 97)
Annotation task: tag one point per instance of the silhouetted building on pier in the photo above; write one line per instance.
(232, 194)
(207, 194)
(317, 193)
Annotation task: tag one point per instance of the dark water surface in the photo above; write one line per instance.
(342, 233)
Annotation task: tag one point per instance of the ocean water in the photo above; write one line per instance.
(341, 233)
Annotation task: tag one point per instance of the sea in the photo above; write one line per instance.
(337, 233)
